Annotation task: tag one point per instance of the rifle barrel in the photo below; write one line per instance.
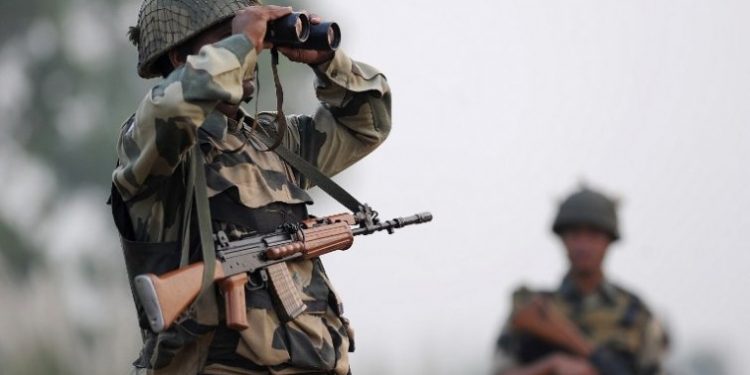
(392, 224)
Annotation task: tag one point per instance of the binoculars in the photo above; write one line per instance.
(295, 30)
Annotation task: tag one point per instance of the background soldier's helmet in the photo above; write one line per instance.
(165, 24)
(588, 207)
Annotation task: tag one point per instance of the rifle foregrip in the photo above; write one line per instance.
(328, 238)
(284, 251)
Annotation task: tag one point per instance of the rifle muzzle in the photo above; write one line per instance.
(391, 225)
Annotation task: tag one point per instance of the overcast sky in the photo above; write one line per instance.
(501, 108)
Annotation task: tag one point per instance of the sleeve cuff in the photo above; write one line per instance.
(244, 50)
(336, 70)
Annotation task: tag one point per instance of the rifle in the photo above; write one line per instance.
(541, 319)
(167, 296)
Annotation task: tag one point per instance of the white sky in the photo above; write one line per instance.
(500, 108)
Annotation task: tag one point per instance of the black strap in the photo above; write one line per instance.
(187, 211)
(311, 172)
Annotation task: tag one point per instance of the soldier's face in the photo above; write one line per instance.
(586, 248)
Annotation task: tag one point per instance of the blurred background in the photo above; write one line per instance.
(501, 108)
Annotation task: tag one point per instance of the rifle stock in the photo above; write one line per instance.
(165, 297)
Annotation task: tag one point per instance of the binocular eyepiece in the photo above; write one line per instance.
(295, 30)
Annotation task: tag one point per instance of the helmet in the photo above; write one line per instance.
(165, 24)
(587, 207)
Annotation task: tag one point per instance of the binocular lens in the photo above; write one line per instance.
(295, 30)
(301, 28)
(291, 29)
(334, 36)
(325, 36)
(331, 36)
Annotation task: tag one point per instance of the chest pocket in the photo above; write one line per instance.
(254, 178)
(618, 327)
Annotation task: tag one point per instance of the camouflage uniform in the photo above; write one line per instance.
(353, 119)
(610, 317)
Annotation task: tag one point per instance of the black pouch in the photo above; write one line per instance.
(141, 257)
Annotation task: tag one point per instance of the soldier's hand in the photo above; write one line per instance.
(307, 56)
(253, 22)
(567, 365)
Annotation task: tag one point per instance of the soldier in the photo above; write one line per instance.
(588, 325)
(206, 53)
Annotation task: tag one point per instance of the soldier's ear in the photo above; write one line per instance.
(176, 58)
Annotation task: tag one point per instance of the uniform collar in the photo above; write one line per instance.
(217, 124)
(606, 290)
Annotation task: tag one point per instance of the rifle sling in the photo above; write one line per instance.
(311, 172)
(187, 211)
(197, 189)
(204, 221)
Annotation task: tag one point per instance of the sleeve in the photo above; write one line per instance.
(353, 119)
(654, 348)
(504, 357)
(164, 127)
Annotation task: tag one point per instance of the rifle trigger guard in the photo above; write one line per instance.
(253, 283)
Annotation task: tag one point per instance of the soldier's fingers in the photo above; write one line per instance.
(274, 12)
(293, 54)
(285, 50)
(314, 18)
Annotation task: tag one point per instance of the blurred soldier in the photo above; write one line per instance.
(206, 51)
(588, 325)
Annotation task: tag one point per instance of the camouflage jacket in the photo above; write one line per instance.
(611, 317)
(353, 119)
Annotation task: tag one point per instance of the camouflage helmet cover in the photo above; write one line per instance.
(588, 207)
(165, 24)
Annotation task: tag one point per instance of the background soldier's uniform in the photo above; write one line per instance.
(249, 191)
(610, 317)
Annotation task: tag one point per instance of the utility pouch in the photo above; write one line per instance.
(141, 257)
